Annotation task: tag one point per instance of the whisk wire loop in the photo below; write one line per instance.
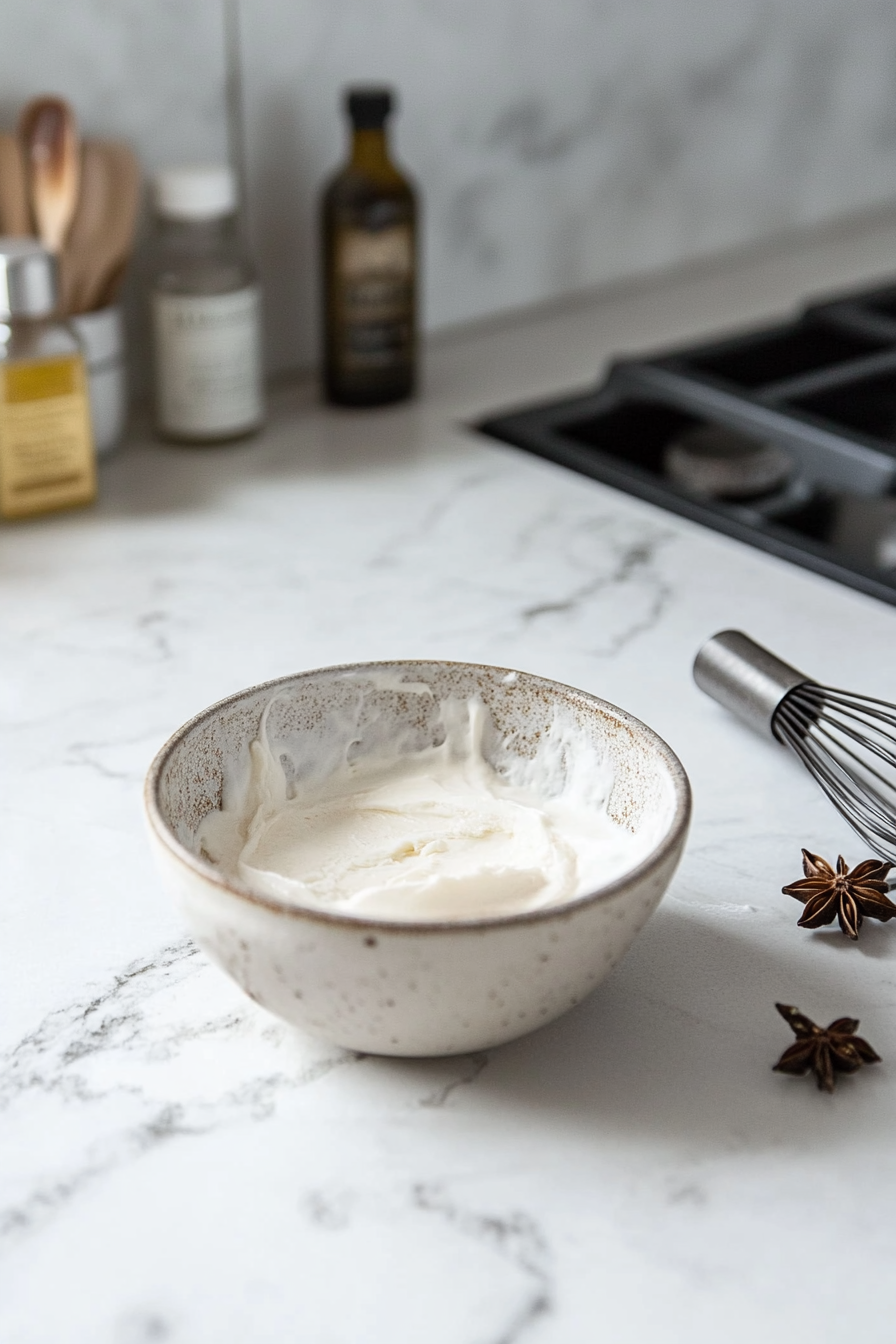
(847, 742)
(842, 740)
(872, 823)
(822, 728)
(841, 713)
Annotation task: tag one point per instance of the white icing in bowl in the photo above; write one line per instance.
(438, 833)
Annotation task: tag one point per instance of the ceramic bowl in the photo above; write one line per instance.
(413, 988)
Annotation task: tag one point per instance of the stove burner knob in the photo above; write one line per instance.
(713, 461)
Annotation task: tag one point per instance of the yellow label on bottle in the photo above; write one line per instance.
(34, 382)
(47, 458)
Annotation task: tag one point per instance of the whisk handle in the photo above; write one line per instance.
(745, 678)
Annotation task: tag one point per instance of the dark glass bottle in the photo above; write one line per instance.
(369, 233)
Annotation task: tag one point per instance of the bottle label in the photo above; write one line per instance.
(47, 459)
(208, 362)
(376, 281)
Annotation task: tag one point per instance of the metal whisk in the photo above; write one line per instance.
(847, 742)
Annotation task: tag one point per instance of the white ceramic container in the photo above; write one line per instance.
(412, 988)
(102, 338)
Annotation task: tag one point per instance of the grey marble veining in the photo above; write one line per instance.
(560, 147)
(557, 147)
(175, 1164)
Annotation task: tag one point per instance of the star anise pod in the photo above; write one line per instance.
(848, 895)
(827, 1051)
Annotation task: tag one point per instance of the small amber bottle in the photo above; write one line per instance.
(369, 234)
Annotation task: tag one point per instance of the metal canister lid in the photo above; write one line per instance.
(28, 279)
(195, 193)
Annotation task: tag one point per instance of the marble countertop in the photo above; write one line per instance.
(179, 1166)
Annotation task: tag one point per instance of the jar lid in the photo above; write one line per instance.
(369, 107)
(201, 192)
(28, 279)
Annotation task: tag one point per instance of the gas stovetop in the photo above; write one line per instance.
(784, 437)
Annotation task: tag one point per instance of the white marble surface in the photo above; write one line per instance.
(175, 1165)
(566, 145)
(557, 146)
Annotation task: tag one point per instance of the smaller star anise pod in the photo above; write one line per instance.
(848, 895)
(827, 1051)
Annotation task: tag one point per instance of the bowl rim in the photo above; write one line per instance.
(674, 836)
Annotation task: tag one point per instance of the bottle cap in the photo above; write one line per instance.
(369, 108)
(202, 192)
(28, 279)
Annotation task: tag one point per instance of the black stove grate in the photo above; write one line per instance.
(822, 388)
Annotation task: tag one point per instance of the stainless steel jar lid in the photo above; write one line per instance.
(28, 279)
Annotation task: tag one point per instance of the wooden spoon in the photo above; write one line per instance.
(15, 217)
(99, 245)
(121, 223)
(49, 137)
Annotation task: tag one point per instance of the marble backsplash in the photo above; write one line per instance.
(557, 147)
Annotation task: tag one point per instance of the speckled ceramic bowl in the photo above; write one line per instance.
(424, 988)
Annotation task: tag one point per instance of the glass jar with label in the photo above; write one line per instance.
(206, 311)
(47, 457)
(369, 235)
